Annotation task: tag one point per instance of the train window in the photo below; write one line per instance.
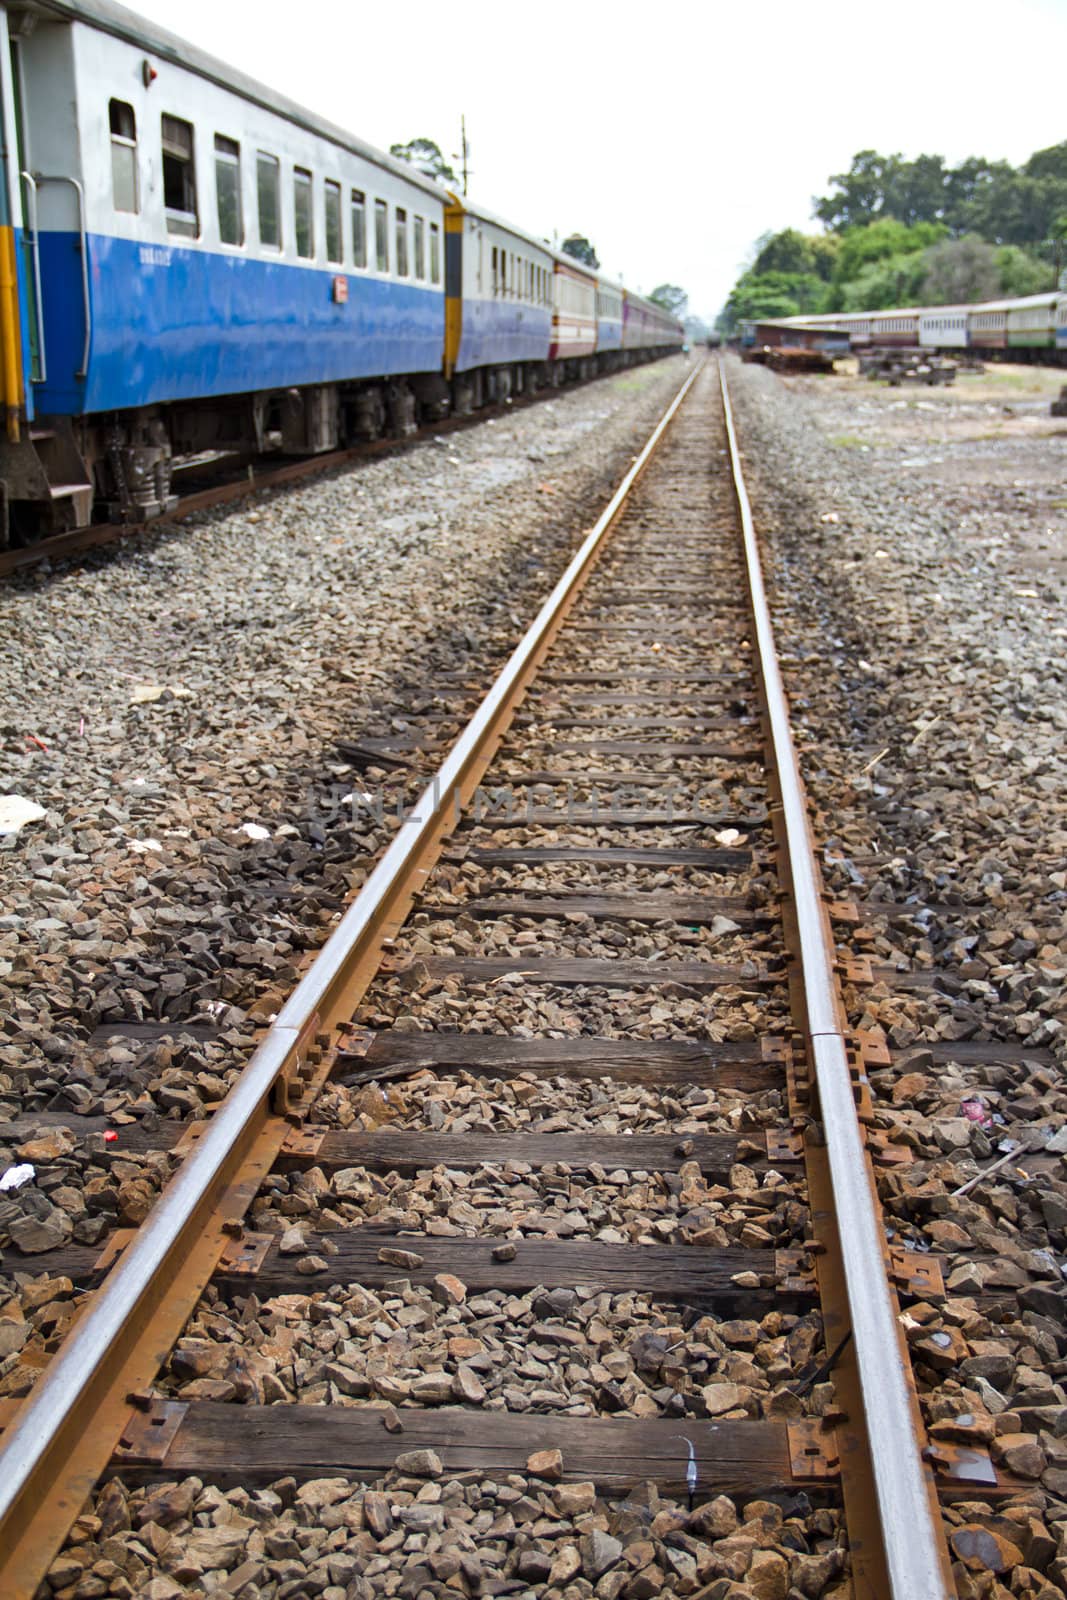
(420, 248)
(435, 253)
(401, 242)
(228, 190)
(334, 247)
(359, 228)
(268, 192)
(381, 234)
(179, 177)
(123, 156)
(303, 218)
(496, 271)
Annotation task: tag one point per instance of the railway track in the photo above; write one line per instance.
(561, 1159)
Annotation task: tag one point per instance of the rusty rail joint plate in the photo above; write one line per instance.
(149, 1433)
(813, 1453)
(783, 1146)
(243, 1257)
(795, 1272)
(916, 1275)
(303, 1143)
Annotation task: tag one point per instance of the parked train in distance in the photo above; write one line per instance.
(190, 262)
(1033, 328)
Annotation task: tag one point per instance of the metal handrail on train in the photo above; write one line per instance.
(42, 357)
(35, 179)
(914, 1549)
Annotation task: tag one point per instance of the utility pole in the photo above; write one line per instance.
(464, 152)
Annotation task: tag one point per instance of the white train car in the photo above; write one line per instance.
(1032, 322)
(943, 327)
(898, 327)
(987, 325)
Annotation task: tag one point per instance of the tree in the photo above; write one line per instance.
(824, 248)
(764, 297)
(788, 251)
(860, 196)
(1050, 163)
(915, 232)
(878, 241)
(916, 191)
(671, 298)
(425, 156)
(891, 281)
(1022, 274)
(578, 246)
(960, 271)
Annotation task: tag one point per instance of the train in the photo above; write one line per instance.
(191, 264)
(1030, 328)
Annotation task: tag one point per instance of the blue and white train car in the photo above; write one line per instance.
(190, 262)
(609, 316)
(188, 235)
(499, 312)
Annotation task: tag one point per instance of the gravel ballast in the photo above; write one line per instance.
(176, 709)
(918, 547)
(942, 862)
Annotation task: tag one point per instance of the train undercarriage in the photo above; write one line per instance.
(66, 473)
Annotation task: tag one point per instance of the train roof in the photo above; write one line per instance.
(124, 24)
(485, 215)
(1049, 298)
(819, 322)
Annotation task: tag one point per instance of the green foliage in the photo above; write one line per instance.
(578, 246)
(788, 251)
(824, 249)
(914, 233)
(888, 281)
(1021, 273)
(1000, 203)
(960, 271)
(761, 297)
(673, 299)
(861, 247)
(425, 156)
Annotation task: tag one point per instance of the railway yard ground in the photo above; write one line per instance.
(195, 715)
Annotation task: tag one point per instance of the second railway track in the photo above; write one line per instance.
(546, 1209)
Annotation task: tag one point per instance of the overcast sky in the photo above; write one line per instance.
(671, 138)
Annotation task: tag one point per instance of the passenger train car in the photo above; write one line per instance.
(190, 262)
(1027, 329)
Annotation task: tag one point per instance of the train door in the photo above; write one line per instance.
(55, 240)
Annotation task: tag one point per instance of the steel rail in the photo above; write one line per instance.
(139, 1306)
(913, 1538)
